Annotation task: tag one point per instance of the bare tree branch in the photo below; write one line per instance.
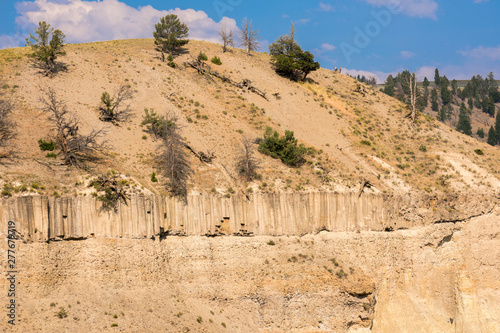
(74, 147)
(246, 163)
(7, 125)
(248, 37)
(227, 37)
(112, 108)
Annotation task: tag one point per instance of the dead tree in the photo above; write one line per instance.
(248, 37)
(7, 126)
(227, 37)
(173, 159)
(112, 109)
(75, 148)
(246, 163)
(411, 83)
(110, 190)
(207, 71)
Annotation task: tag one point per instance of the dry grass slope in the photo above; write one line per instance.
(355, 133)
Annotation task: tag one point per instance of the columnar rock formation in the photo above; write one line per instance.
(41, 218)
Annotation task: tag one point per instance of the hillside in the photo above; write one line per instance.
(386, 224)
(355, 132)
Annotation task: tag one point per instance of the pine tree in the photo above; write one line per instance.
(389, 86)
(463, 124)
(289, 60)
(480, 133)
(426, 82)
(434, 100)
(437, 78)
(170, 33)
(45, 52)
(492, 137)
(446, 95)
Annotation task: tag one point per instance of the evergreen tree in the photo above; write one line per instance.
(170, 34)
(45, 51)
(454, 87)
(289, 59)
(437, 78)
(463, 124)
(480, 133)
(489, 106)
(444, 82)
(426, 82)
(434, 100)
(492, 138)
(446, 95)
(389, 86)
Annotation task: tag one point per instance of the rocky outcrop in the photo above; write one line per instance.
(41, 218)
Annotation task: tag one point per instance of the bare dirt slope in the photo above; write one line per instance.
(357, 132)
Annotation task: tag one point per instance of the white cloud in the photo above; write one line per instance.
(380, 76)
(481, 52)
(87, 21)
(407, 54)
(324, 7)
(8, 41)
(328, 47)
(303, 21)
(418, 8)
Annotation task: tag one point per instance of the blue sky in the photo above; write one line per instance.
(461, 38)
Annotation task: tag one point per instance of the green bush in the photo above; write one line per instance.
(216, 60)
(202, 56)
(51, 155)
(153, 178)
(285, 148)
(46, 145)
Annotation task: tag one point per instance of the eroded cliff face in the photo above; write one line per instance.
(436, 278)
(40, 218)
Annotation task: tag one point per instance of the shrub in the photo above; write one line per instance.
(479, 152)
(153, 178)
(46, 145)
(366, 143)
(272, 243)
(284, 148)
(199, 319)
(110, 189)
(61, 313)
(202, 56)
(216, 60)
(112, 108)
(422, 148)
(51, 155)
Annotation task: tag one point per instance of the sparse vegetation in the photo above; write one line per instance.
(112, 108)
(74, 147)
(111, 189)
(61, 313)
